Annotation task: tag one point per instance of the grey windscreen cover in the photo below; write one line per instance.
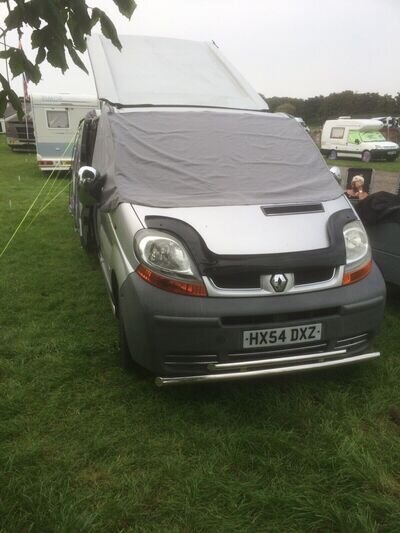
(191, 158)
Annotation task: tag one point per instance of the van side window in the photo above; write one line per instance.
(83, 144)
(353, 137)
(86, 141)
(91, 138)
(337, 133)
(57, 119)
(77, 150)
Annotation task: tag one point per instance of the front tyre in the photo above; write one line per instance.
(366, 156)
(87, 232)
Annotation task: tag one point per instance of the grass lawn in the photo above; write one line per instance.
(87, 448)
(386, 166)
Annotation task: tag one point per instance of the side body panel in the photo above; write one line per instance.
(115, 233)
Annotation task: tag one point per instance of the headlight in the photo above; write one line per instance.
(166, 264)
(356, 242)
(358, 253)
(164, 253)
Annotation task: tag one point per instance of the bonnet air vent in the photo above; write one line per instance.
(293, 209)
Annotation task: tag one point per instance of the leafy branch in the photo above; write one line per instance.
(60, 29)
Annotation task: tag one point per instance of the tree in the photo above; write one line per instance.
(287, 107)
(317, 109)
(60, 29)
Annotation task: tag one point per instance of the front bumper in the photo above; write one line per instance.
(48, 165)
(392, 153)
(190, 339)
(314, 362)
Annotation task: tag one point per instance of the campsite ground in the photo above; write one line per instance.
(385, 166)
(85, 447)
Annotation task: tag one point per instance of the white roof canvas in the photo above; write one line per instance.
(360, 124)
(163, 71)
(64, 99)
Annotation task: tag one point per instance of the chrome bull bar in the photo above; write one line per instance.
(254, 369)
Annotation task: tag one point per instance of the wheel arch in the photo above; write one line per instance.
(115, 292)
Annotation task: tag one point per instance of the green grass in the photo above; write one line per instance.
(386, 166)
(84, 447)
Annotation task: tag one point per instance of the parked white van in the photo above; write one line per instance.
(55, 119)
(228, 248)
(356, 139)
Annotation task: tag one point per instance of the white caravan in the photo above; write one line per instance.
(56, 118)
(356, 139)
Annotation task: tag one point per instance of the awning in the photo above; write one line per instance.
(162, 71)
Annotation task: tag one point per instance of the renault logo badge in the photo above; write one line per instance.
(279, 282)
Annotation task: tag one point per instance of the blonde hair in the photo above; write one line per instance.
(358, 178)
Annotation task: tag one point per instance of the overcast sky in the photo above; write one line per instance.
(283, 47)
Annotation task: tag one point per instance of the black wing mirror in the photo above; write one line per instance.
(90, 185)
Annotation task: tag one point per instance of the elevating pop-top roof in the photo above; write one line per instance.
(173, 72)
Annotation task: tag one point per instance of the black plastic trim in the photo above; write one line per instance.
(187, 106)
(293, 209)
(208, 262)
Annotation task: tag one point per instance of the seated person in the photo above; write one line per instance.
(357, 191)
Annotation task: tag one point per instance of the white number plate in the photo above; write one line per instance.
(278, 336)
(392, 152)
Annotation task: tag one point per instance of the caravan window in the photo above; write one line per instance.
(337, 133)
(57, 119)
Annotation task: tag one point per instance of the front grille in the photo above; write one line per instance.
(271, 353)
(199, 359)
(238, 280)
(180, 364)
(313, 275)
(357, 342)
(189, 363)
(251, 280)
(278, 317)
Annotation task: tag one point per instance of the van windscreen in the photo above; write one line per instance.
(372, 136)
(188, 158)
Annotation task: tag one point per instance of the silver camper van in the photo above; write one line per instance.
(228, 248)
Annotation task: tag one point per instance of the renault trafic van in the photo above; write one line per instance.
(228, 248)
(356, 139)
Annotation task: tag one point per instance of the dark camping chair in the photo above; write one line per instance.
(366, 173)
